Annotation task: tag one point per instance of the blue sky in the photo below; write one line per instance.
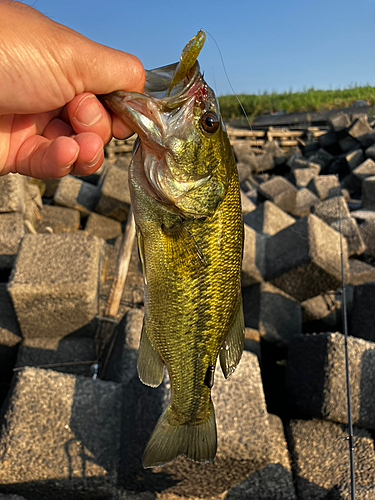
(266, 44)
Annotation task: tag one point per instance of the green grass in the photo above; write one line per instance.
(292, 102)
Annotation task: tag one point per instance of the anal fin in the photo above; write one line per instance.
(149, 366)
(231, 350)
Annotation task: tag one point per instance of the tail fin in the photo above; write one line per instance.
(167, 442)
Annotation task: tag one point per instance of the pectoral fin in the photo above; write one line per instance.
(231, 350)
(183, 246)
(149, 366)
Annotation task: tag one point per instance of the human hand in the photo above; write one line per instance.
(51, 123)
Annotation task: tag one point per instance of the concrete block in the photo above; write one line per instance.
(362, 317)
(272, 482)
(114, 198)
(59, 219)
(347, 144)
(123, 161)
(363, 215)
(293, 157)
(325, 186)
(244, 170)
(280, 191)
(304, 259)
(253, 255)
(103, 227)
(316, 378)
(342, 491)
(305, 201)
(265, 162)
(328, 140)
(10, 334)
(60, 437)
(323, 312)
(276, 315)
(367, 140)
(300, 177)
(12, 230)
(252, 341)
(268, 218)
(368, 193)
(354, 158)
(367, 231)
(332, 209)
(339, 122)
(320, 457)
(12, 193)
(246, 204)
(75, 193)
(244, 444)
(310, 147)
(72, 355)
(359, 127)
(54, 286)
(349, 229)
(322, 158)
(370, 152)
(364, 170)
(360, 272)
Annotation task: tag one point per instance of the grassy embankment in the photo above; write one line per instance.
(292, 102)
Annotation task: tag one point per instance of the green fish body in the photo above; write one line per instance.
(186, 203)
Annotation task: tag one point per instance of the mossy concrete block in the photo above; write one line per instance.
(325, 186)
(54, 286)
(76, 193)
(58, 219)
(253, 255)
(12, 193)
(268, 218)
(320, 457)
(12, 230)
(280, 191)
(272, 312)
(362, 317)
(304, 259)
(114, 198)
(103, 227)
(60, 436)
(316, 377)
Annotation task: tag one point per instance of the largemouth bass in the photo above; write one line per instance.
(186, 203)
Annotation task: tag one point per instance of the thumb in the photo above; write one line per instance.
(103, 70)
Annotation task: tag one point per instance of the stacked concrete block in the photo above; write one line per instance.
(12, 230)
(304, 259)
(280, 191)
(317, 383)
(325, 186)
(322, 158)
(103, 227)
(246, 440)
(320, 457)
(55, 219)
(302, 176)
(272, 312)
(114, 198)
(332, 209)
(305, 201)
(348, 227)
(360, 272)
(370, 152)
(323, 312)
(268, 218)
(253, 255)
(54, 286)
(362, 317)
(60, 436)
(354, 158)
(367, 230)
(76, 193)
(368, 193)
(360, 173)
(12, 193)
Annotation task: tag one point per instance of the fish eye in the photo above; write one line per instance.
(210, 122)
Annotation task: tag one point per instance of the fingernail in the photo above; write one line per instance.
(92, 162)
(88, 111)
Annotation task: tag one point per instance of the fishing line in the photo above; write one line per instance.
(230, 85)
(345, 325)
